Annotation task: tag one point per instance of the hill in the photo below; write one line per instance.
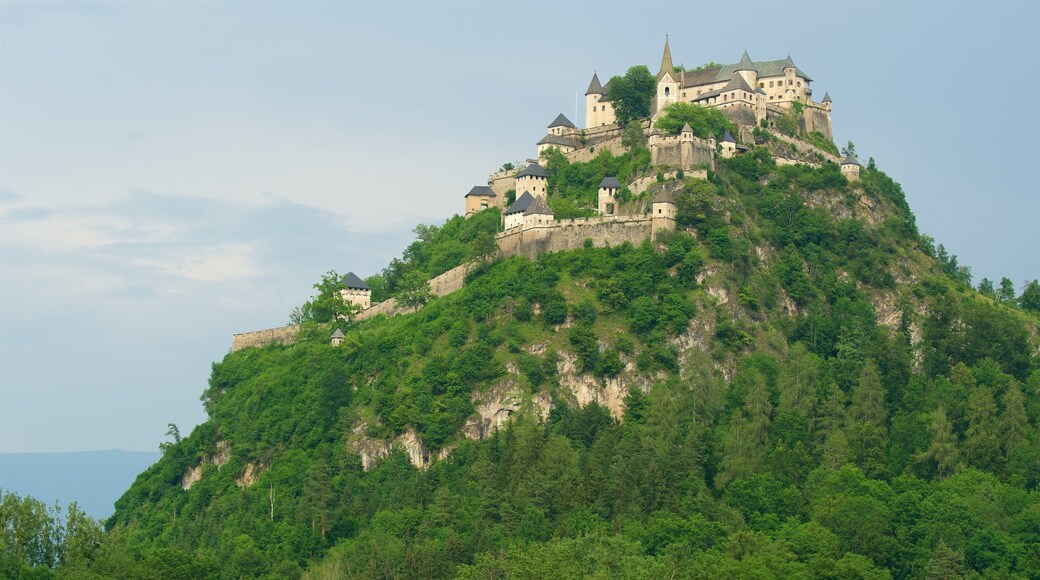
(794, 383)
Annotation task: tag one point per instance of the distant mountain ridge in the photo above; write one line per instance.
(93, 479)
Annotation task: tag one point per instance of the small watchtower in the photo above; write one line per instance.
(337, 337)
(728, 144)
(608, 189)
(850, 167)
(663, 210)
(355, 291)
(479, 198)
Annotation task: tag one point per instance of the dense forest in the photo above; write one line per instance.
(808, 387)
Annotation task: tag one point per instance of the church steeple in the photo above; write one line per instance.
(666, 61)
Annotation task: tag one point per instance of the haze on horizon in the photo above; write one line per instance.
(173, 173)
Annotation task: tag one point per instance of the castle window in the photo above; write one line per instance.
(667, 91)
(761, 85)
(770, 83)
(799, 83)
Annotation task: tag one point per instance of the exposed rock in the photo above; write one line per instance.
(413, 446)
(493, 409)
(586, 388)
(192, 476)
(249, 476)
(221, 456)
(370, 449)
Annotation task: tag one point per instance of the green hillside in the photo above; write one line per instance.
(796, 383)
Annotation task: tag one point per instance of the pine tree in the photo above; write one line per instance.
(1013, 422)
(797, 381)
(832, 444)
(865, 422)
(943, 450)
(981, 442)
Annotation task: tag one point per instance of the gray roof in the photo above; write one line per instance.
(745, 63)
(765, 68)
(561, 121)
(521, 204)
(337, 334)
(534, 170)
(610, 181)
(594, 87)
(665, 196)
(551, 139)
(352, 282)
(482, 190)
(826, 98)
(727, 138)
(666, 62)
(759, 91)
(737, 83)
(850, 160)
(686, 128)
(538, 207)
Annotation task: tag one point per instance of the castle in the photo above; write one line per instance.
(752, 94)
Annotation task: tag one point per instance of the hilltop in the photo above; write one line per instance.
(786, 379)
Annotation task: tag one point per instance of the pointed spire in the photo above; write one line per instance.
(826, 98)
(728, 138)
(686, 128)
(538, 207)
(594, 87)
(745, 63)
(666, 61)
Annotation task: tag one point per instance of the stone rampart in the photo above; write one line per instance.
(803, 146)
(571, 235)
(590, 151)
(643, 183)
(501, 182)
(280, 335)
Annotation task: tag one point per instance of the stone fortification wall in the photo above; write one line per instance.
(604, 132)
(643, 183)
(571, 235)
(678, 153)
(593, 149)
(501, 182)
(280, 335)
(815, 118)
(442, 285)
(803, 146)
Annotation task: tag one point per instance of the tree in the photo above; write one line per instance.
(867, 430)
(414, 291)
(1006, 292)
(705, 122)
(329, 305)
(633, 137)
(1013, 422)
(981, 442)
(943, 450)
(986, 288)
(849, 150)
(630, 94)
(1030, 298)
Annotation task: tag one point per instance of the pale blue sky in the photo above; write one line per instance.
(172, 173)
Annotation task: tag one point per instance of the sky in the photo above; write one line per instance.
(173, 173)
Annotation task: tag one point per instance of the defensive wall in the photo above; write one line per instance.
(280, 335)
(571, 235)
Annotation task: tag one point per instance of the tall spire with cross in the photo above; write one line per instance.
(666, 61)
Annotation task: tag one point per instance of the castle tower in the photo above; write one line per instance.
(608, 189)
(826, 101)
(538, 215)
(729, 145)
(355, 291)
(598, 110)
(850, 168)
(760, 104)
(535, 179)
(662, 218)
(654, 142)
(747, 69)
(686, 147)
(667, 82)
(337, 337)
(561, 125)
(480, 198)
(790, 94)
(514, 214)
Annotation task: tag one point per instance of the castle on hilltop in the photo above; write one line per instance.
(754, 95)
(763, 89)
